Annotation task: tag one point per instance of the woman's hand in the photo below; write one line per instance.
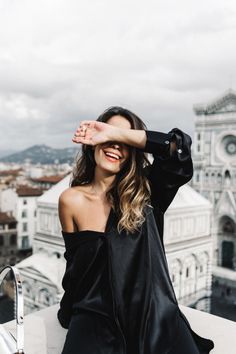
(94, 132)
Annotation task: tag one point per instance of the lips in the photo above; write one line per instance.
(112, 156)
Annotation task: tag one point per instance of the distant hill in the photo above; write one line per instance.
(6, 152)
(42, 154)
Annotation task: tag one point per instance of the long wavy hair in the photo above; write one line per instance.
(130, 190)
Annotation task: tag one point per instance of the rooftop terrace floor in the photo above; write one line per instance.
(44, 335)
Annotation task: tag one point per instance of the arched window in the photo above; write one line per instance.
(228, 226)
(227, 254)
(213, 177)
(187, 272)
(190, 269)
(203, 263)
(175, 267)
(219, 177)
(227, 174)
(45, 297)
(57, 254)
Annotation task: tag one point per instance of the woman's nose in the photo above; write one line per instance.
(116, 146)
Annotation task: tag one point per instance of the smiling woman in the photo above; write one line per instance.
(112, 166)
(113, 151)
(118, 297)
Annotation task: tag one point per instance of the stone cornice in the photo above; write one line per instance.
(225, 103)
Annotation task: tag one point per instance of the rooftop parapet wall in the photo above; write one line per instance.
(44, 335)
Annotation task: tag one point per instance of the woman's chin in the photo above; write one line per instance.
(112, 170)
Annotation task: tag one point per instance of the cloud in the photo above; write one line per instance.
(64, 61)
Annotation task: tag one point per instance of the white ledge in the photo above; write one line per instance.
(44, 335)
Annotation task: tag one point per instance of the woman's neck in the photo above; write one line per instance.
(101, 183)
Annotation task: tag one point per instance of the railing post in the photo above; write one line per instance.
(19, 305)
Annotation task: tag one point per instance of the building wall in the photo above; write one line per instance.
(190, 272)
(214, 157)
(24, 210)
(38, 292)
(48, 237)
(26, 216)
(8, 200)
(8, 245)
(188, 243)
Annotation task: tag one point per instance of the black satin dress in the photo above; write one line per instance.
(118, 297)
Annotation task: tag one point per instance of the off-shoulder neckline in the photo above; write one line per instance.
(82, 231)
(107, 227)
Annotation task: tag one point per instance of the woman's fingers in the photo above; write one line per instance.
(90, 132)
(83, 140)
(88, 123)
(82, 130)
(83, 135)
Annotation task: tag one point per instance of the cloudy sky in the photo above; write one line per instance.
(62, 61)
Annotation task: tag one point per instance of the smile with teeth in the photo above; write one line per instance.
(112, 156)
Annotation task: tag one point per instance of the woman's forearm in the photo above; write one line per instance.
(94, 132)
(136, 138)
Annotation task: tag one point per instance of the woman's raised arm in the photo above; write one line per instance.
(170, 169)
(172, 165)
(94, 132)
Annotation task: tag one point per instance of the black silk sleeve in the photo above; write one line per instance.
(168, 171)
(65, 311)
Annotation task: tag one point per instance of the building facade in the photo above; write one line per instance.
(42, 272)
(26, 214)
(214, 177)
(21, 201)
(8, 239)
(188, 244)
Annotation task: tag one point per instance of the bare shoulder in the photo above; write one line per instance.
(74, 197)
(71, 195)
(69, 202)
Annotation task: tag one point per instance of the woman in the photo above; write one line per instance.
(118, 294)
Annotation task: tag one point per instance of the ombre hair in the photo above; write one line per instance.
(130, 190)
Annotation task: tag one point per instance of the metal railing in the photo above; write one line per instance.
(8, 275)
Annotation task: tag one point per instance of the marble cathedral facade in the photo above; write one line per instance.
(214, 156)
